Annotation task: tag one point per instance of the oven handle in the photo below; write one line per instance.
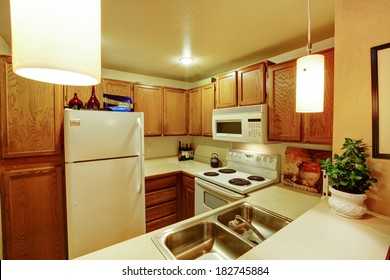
(219, 190)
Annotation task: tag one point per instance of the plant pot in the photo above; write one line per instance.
(347, 204)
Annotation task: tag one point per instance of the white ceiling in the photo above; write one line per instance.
(149, 36)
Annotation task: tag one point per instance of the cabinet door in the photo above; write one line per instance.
(83, 93)
(207, 108)
(318, 127)
(33, 215)
(226, 95)
(195, 111)
(284, 124)
(116, 87)
(251, 84)
(175, 111)
(148, 99)
(188, 204)
(31, 115)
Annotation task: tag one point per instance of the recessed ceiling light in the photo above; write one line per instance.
(186, 60)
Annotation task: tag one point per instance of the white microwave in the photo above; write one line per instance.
(240, 124)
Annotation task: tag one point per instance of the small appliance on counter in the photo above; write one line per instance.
(246, 171)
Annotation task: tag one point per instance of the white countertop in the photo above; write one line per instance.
(315, 233)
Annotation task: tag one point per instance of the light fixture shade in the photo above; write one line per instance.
(310, 84)
(57, 41)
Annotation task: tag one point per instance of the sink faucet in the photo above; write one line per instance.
(234, 223)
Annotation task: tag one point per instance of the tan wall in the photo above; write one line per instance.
(359, 25)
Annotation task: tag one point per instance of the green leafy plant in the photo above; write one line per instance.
(348, 172)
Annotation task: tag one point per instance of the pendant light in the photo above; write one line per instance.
(310, 80)
(57, 41)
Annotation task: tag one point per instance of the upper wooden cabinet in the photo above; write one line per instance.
(252, 84)
(175, 111)
(31, 115)
(116, 87)
(207, 108)
(195, 111)
(226, 93)
(284, 124)
(149, 99)
(318, 127)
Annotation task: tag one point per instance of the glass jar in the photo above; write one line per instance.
(75, 103)
(93, 103)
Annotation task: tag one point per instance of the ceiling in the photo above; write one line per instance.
(148, 37)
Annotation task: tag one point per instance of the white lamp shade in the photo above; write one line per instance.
(57, 41)
(310, 84)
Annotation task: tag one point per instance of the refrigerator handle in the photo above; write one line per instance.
(141, 175)
(141, 135)
(140, 158)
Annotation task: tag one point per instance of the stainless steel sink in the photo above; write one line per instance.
(264, 221)
(212, 238)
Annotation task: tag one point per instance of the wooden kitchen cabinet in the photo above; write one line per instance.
(252, 84)
(188, 197)
(115, 87)
(226, 93)
(149, 100)
(33, 213)
(284, 124)
(318, 127)
(208, 96)
(31, 167)
(195, 111)
(161, 200)
(175, 111)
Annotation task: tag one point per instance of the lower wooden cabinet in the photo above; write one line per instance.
(33, 213)
(161, 200)
(188, 196)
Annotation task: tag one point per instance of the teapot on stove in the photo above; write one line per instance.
(214, 161)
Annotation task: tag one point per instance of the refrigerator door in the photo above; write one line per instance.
(90, 135)
(105, 203)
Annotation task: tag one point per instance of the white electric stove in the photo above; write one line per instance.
(246, 171)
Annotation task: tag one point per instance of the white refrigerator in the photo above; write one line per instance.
(104, 173)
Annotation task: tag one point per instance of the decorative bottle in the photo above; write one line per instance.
(93, 102)
(75, 103)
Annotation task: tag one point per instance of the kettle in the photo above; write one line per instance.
(214, 161)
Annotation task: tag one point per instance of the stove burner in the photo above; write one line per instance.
(226, 170)
(256, 178)
(211, 173)
(239, 182)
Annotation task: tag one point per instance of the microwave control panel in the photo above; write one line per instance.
(254, 128)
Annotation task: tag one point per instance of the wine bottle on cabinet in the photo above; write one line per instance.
(191, 151)
(183, 153)
(179, 151)
(93, 102)
(187, 152)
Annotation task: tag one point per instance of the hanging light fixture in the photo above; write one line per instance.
(57, 41)
(310, 79)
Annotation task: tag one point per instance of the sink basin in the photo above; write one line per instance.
(211, 238)
(266, 222)
(204, 240)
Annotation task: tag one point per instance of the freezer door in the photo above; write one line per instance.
(105, 203)
(90, 135)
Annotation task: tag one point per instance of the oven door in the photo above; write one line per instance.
(209, 196)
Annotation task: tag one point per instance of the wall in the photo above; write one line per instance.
(359, 25)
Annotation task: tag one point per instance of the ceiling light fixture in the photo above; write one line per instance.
(186, 60)
(57, 41)
(310, 79)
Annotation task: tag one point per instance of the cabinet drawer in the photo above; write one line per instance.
(159, 223)
(158, 197)
(160, 211)
(160, 183)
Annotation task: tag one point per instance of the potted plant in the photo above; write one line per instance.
(349, 179)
